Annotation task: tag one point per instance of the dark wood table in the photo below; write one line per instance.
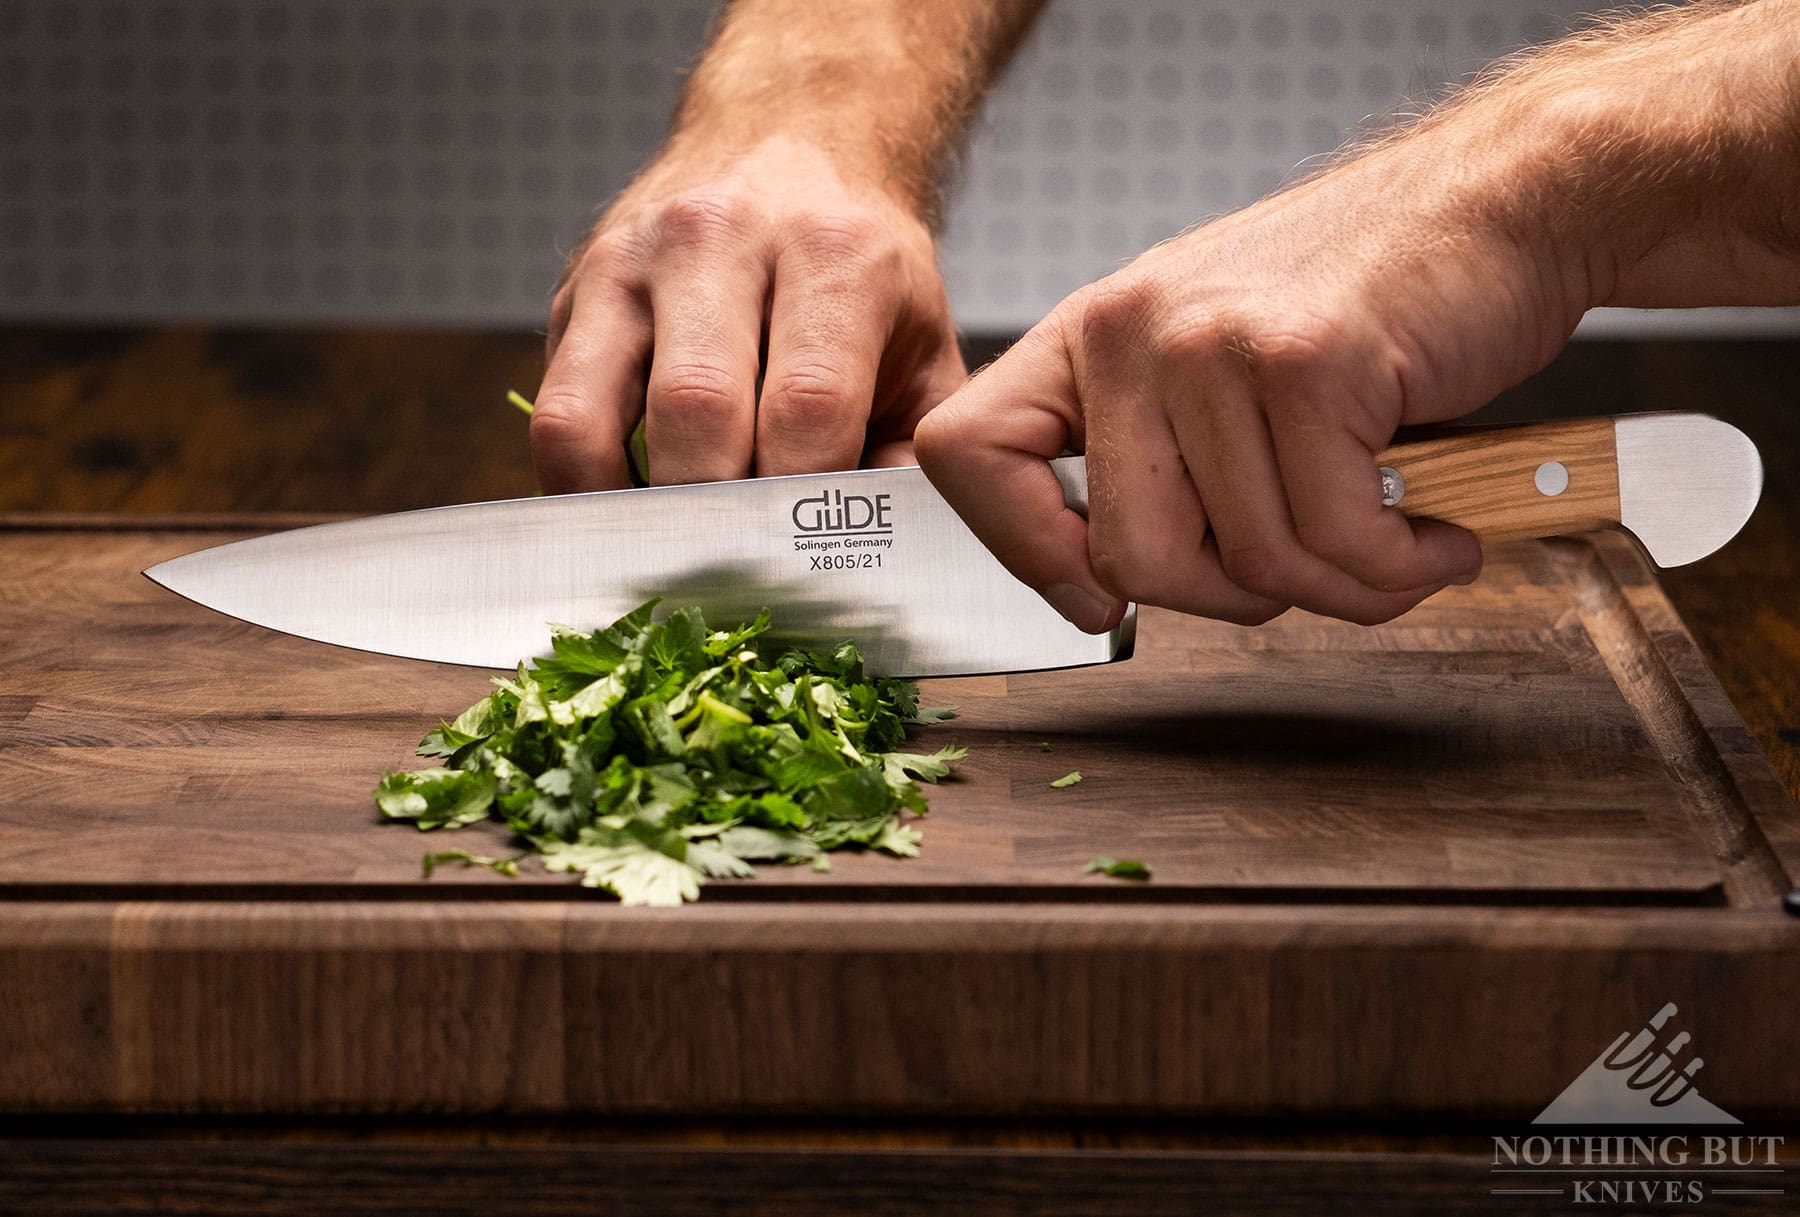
(172, 427)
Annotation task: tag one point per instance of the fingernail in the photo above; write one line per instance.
(1083, 609)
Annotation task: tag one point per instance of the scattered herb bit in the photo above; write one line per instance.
(1066, 780)
(1046, 746)
(649, 757)
(1117, 869)
(500, 866)
(520, 400)
(637, 453)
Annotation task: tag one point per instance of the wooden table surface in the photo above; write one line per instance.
(185, 422)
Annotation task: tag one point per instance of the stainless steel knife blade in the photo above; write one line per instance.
(873, 555)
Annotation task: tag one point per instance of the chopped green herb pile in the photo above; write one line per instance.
(1117, 869)
(650, 757)
(1066, 780)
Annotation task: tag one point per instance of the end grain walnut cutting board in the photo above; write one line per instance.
(1429, 867)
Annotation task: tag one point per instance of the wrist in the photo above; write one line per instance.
(843, 138)
(1466, 256)
(1537, 183)
(1657, 165)
(886, 88)
(772, 163)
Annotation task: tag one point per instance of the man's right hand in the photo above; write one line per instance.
(709, 260)
(1233, 388)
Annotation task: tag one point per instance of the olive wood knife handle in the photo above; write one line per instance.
(1502, 483)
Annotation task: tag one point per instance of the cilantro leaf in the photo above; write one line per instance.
(436, 798)
(714, 861)
(472, 726)
(1117, 869)
(926, 716)
(634, 872)
(857, 792)
(897, 839)
(766, 845)
(897, 765)
(500, 866)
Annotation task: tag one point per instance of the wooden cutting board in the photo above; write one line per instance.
(1427, 867)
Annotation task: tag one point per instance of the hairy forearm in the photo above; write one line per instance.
(887, 87)
(1656, 160)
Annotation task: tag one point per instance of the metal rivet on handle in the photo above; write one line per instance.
(1552, 478)
(1393, 487)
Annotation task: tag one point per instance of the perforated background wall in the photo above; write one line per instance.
(432, 161)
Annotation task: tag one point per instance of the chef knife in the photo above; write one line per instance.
(876, 555)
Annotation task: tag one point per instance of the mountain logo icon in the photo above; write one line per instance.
(1641, 1078)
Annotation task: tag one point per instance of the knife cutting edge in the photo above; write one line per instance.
(876, 555)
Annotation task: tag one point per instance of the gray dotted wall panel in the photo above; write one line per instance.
(432, 161)
(1125, 123)
(318, 160)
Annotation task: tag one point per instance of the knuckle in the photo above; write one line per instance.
(853, 251)
(704, 218)
(556, 408)
(1291, 353)
(1116, 572)
(1122, 575)
(939, 438)
(1118, 311)
(1135, 576)
(1208, 343)
(1329, 539)
(607, 251)
(1258, 568)
(1349, 550)
(841, 234)
(698, 390)
(810, 397)
(1134, 557)
(561, 420)
(1133, 565)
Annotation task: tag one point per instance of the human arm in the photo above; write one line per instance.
(1232, 387)
(790, 212)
